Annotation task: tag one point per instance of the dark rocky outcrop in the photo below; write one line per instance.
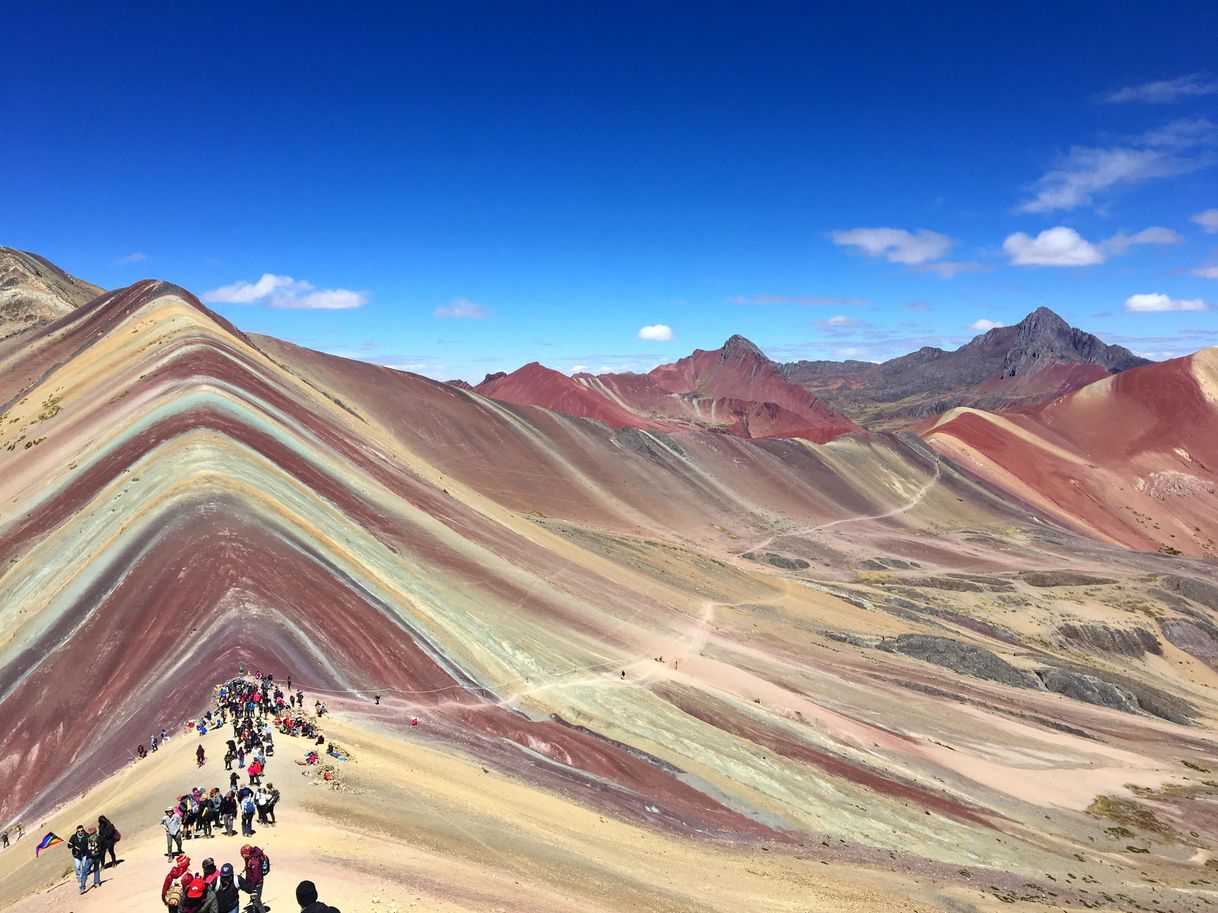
(1088, 689)
(781, 561)
(1063, 578)
(957, 656)
(1199, 591)
(1131, 642)
(1196, 637)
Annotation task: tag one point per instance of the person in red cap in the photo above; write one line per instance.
(172, 890)
(198, 898)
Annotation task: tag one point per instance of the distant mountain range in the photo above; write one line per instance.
(1033, 362)
(736, 389)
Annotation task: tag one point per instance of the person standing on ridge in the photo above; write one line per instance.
(173, 831)
(228, 895)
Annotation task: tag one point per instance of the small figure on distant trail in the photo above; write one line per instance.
(414, 721)
(623, 673)
(4, 841)
(152, 741)
(201, 755)
(141, 752)
(378, 703)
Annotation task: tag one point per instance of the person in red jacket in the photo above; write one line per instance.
(251, 880)
(181, 866)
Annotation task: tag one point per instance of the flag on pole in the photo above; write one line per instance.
(49, 840)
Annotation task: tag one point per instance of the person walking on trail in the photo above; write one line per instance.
(109, 836)
(228, 895)
(171, 891)
(173, 831)
(270, 807)
(201, 755)
(228, 812)
(257, 866)
(93, 860)
(306, 896)
(78, 843)
(247, 815)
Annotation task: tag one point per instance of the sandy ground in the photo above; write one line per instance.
(415, 828)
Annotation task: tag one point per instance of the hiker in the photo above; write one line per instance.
(228, 895)
(152, 741)
(207, 817)
(306, 896)
(78, 843)
(247, 816)
(199, 898)
(173, 831)
(270, 807)
(93, 860)
(201, 755)
(228, 811)
(234, 780)
(262, 799)
(171, 891)
(229, 757)
(108, 835)
(378, 703)
(4, 841)
(141, 752)
(210, 872)
(257, 865)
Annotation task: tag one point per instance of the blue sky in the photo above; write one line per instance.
(462, 188)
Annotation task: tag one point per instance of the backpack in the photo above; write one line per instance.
(173, 897)
(94, 845)
(117, 835)
(266, 865)
(248, 805)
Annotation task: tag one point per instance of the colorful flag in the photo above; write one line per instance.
(47, 841)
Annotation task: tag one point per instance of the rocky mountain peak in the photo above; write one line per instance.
(738, 345)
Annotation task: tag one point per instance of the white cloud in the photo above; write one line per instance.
(1085, 171)
(984, 324)
(841, 320)
(460, 308)
(1206, 272)
(1208, 220)
(286, 292)
(896, 245)
(137, 256)
(579, 369)
(1060, 246)
(1164, 91)
(1119, 243)
(1155, 303)
(658, 332)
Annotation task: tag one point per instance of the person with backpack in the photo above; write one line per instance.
(173, 831)
(248, 808)
(109, 836)
(169, 896)
(257, 867)
(206, 818)
(201, 755)
(228, 895)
